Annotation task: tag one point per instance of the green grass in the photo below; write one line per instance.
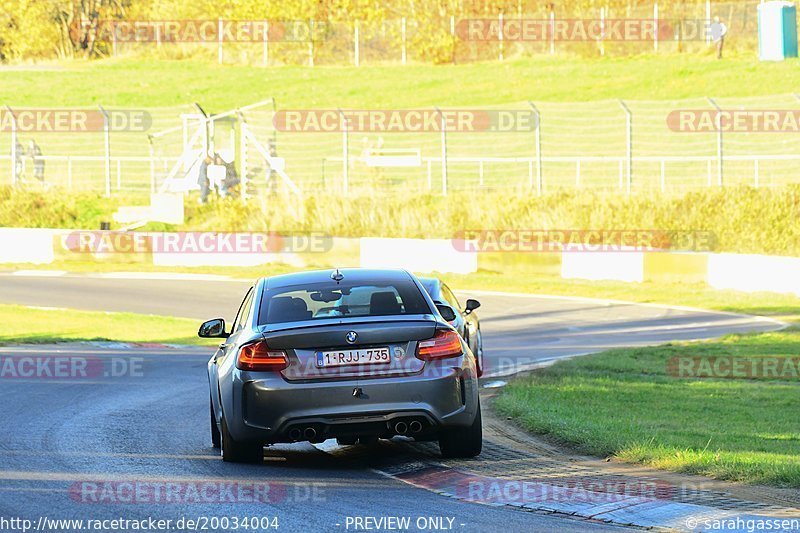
(157, 83)
(742, 220)
(745, 430)
(22, 324)
(780, 306)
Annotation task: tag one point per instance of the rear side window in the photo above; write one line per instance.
(331, 300)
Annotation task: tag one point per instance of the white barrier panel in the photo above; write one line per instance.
(618, 266)
(27, 245)
(417, 255)
(752, 273)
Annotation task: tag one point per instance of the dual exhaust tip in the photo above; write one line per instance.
(403, 428)
(309, 433)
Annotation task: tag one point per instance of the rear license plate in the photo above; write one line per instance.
(362, 356)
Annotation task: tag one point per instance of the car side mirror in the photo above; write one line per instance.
(213, 329)
(471, 306)
(446, 311)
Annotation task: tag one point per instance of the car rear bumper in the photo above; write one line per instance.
(273, 410)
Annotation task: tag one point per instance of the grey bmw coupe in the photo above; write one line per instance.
(351, 354)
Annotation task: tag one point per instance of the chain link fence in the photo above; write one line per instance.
(444, 37)
(612, 145)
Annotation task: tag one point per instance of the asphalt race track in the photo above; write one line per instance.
(131, 441)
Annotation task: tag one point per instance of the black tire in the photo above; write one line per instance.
(463, 442)
(346, 441)
(216, 439)
(479, 354)
(234, 451)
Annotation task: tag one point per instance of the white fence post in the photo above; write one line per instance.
(345, 154)
(628, 144)
(403, 39)
(755, 170)
(152, 164)
(310, 43)
(266, 44)
(444, 152)
(107, 131)
(655, 26)
(219, 41)
(500, 34)
(242, 153)
(538, 140)
(14, 141)
(356, 44)
(602, 31)
(718, 125)
(552, 32)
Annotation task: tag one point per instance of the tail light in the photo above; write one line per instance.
(258, 357)
(443, 345)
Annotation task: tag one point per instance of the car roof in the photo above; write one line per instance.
(350, 275)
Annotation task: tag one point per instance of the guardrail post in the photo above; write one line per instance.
(345, 154)
(718, 124)
(628, 144)
(444, 152)
(538, 140)
(14, 154)
(107, 132)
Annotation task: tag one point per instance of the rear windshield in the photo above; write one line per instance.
(331, 300)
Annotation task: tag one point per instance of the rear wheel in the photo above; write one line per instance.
(235, 451)
(216, 439)
(479, 353)
(463, 442)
